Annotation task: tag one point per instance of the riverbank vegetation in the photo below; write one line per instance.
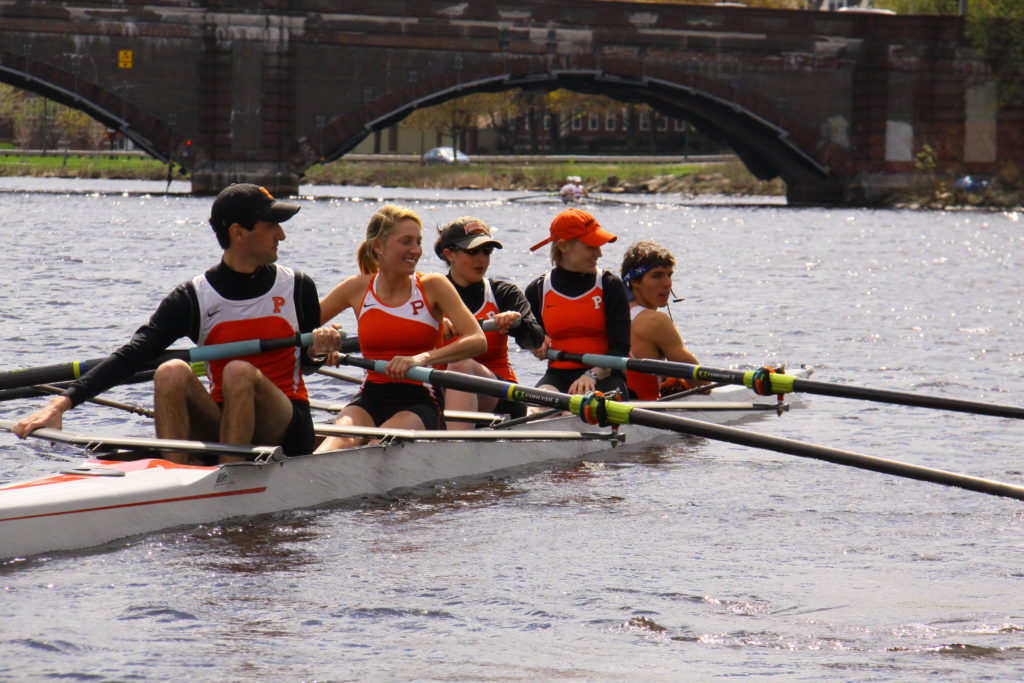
(730, 178)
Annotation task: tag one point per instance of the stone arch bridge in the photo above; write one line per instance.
(837, 104)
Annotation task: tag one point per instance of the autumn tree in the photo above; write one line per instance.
(455, 117)
(33, 122)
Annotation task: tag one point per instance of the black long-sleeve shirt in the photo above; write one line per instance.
(177, 316)
(528, 333)
(571, 283)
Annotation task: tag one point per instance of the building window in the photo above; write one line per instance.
(662, 123)
(609, 121)
(594, 121)
(645, 120)
(577, 122)
(547, 121)
(680, 125)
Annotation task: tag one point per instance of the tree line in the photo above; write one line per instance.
(33, 122)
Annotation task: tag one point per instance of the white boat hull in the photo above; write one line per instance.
(103, 500)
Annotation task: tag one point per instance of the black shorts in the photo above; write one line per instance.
(562, 379)
(383, 400)
(298, 436)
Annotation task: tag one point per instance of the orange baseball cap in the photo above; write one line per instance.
(576, 224)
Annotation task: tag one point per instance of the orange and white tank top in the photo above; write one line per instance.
(403, 330)
(575, 324)
(644, 385)
(495, 358)
(269, 316)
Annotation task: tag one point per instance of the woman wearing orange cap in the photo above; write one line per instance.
(582, 309)
(647, 273)
(466, 244)
(399, 313)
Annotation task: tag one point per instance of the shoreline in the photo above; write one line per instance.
(730, 179)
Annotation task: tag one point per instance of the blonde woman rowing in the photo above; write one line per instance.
(399, 313)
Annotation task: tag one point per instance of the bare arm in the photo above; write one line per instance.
(655, 336)
(345, 295)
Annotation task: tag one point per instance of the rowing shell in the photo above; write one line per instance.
(103, 500)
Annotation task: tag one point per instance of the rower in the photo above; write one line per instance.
(259, 399)
(581, 308)
(573, 191)
(466, 244)
(399, 313)
(647, 273)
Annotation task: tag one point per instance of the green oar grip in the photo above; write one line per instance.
(781, 383)
(617, 413)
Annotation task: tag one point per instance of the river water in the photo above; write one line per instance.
(691, 560)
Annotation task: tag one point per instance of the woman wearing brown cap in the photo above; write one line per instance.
(582, 309)
(466, 244)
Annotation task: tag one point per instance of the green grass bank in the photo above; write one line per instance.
(727, 178)
(1006, 191)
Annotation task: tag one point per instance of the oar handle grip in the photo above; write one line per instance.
(248, 347)
(420, 374)
(597, 360)
(490, 326)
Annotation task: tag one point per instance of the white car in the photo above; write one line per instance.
(444, 155)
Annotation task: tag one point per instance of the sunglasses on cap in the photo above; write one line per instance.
(486, 250)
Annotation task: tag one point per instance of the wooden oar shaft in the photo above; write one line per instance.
(621, 413)
(138, 410)
(782, 383)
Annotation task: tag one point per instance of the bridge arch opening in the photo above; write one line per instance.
(146, 132)
(767, 150)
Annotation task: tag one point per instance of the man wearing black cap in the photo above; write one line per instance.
(260, 399)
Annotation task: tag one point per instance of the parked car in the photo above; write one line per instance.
(444, 155)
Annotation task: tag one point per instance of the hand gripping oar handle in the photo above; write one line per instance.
(619, 413)
(782, 383)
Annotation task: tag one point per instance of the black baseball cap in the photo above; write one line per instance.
(464, 233)
(245, 202)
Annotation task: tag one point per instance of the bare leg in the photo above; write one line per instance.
(255, 409)
(183, 409)
(465, 400)
(351, 416)
(404, 419)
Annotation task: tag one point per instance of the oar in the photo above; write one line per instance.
(780, 383)
(138, 410)
(33, 392)
(623, 413)
(334, 374)
(62, 372)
